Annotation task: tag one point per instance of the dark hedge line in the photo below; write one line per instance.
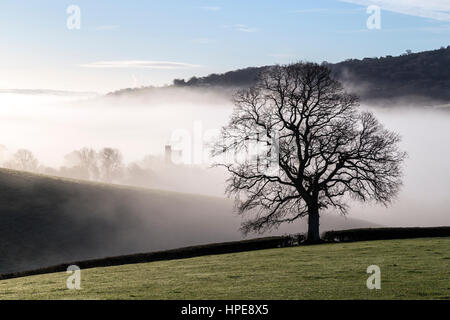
(384, 234)
(187, 252)
(244, 245)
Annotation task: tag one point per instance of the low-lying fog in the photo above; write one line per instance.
(425, 196)
(52, 126)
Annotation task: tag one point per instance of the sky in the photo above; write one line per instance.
(121, 44)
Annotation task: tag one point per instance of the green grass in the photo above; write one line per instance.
(410, 269)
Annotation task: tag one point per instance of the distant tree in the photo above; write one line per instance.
(89, 160)
(49, 171)
(111, 164)
(139, 176)
(86, 162)
(74, 172)
(23, 160)
(326, 149)
(179, 82)
(193, 81)
(3, 152)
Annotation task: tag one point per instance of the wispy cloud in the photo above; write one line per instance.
(203, 40)
(107, 27)
(328, 10)
(244, 28)
(431, 9)
(211, 8)
(140, 64)
(241, 28)
(312, 10)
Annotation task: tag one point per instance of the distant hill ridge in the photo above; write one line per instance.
(423, 75)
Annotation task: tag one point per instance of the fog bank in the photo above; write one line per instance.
(52, 127)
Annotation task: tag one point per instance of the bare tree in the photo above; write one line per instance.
(111, 163)
(138, 175)
(23, 160)
(326, 150)
(85, 160)
(3, 152)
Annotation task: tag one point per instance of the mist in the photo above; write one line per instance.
(52, 126)
(424, 199)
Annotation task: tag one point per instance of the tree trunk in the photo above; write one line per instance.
(313, 225)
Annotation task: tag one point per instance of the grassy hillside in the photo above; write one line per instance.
(46, 221)
(410, 269)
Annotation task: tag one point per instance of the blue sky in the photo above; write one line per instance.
(134, 43)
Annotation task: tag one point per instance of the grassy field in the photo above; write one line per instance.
(410, 269)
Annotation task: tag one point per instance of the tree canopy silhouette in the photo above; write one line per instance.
(324, 149)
